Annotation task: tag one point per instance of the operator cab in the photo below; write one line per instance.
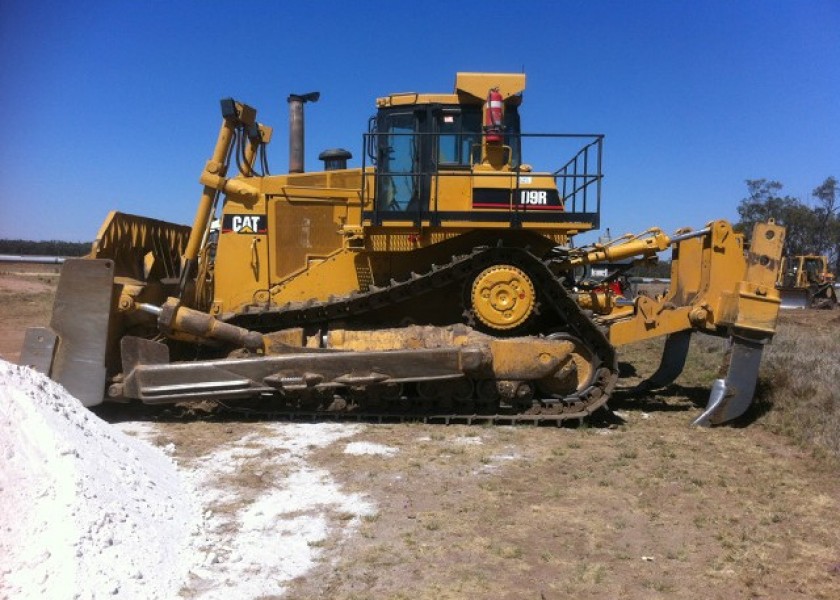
(415, 143)
(455, 160)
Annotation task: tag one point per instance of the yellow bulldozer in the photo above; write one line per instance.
(436, 281)
(805, 281)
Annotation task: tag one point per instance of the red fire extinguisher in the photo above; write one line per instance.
(493, 111)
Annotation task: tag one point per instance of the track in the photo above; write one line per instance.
(471, 402)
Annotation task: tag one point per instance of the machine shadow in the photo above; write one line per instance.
(685, 399)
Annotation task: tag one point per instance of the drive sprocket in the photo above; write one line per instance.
(502, 297)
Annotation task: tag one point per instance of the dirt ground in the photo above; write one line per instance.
(633, 505)
(26, 293)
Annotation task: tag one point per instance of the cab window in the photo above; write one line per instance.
(459, 130)
(459, 138)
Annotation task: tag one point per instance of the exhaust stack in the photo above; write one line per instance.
(296, 129)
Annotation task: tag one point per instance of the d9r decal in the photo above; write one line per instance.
(546, 199)
(535, 197)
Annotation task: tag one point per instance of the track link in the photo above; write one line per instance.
(566, 313)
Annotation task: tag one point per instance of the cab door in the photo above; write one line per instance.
(403, 173)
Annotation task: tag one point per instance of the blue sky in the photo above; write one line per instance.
(114, 104)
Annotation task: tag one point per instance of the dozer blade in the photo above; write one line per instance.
(72, 351)
(731, 397)
(794, 298)
(672, 364)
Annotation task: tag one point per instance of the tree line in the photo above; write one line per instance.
(44, 248)
(813, 226)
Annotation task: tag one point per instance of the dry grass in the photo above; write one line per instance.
(798, 393)
(799, 387)
(650, 509)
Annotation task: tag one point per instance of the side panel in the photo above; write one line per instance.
(242, 259)
(302, 231)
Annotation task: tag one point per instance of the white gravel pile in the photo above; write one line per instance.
(85, 510)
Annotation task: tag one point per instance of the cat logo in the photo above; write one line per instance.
(247, 224)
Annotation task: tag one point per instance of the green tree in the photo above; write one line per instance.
(827, 235)
(45, 248)
(766, 202)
